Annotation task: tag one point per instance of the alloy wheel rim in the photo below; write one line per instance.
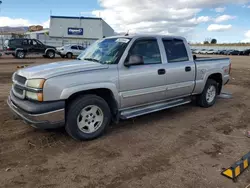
(211, 93)
(90, 119)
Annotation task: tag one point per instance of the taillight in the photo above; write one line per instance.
(8, 49)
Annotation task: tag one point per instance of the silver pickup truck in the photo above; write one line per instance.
(115, 78)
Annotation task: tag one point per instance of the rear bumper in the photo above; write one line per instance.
(9, 52)
(226, 79)
(46, 120)
(60, 53)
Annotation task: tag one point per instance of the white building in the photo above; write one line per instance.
(73, 30)
(79, 27)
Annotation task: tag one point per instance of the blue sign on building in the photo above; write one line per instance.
(75, 31)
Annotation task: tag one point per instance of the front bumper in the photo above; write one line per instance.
(45, 120)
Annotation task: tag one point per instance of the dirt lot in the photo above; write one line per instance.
(182, 147)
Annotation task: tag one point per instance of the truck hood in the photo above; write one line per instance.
(59, 68)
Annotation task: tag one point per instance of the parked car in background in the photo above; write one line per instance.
(245, 52)
(133, 76)
(219, 52)
(196, 51)
(203, 51)
(233, 52)
(211, 51)
(225, 52)
(20, 48)
(70, 50)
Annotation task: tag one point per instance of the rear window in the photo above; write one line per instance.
(6, 43)
(175, 50)
(15, 42)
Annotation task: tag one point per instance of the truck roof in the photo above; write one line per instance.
(148, 35)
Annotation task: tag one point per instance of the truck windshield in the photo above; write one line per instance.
(105, 51)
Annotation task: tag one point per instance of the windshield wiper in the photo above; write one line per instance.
(92, 59)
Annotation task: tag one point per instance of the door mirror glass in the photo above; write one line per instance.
(194, 57)
(134, 60)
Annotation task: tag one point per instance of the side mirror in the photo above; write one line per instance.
(134, 60)
(194, 57)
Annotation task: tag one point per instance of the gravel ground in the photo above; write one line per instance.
(185, 146)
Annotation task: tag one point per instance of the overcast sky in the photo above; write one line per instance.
(225, 20)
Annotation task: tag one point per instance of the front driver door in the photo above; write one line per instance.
(143, 84)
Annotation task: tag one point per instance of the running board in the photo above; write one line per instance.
(127, 114)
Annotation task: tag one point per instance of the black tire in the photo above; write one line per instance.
(74, 109)
(50, 54)
(13, 54)
(62, 56)
(202, 98)
(69, 55)
(20, 54)
(45, 56)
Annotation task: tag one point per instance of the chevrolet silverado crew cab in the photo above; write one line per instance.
(115, 78)
(22, 47)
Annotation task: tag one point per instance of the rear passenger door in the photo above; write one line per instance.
(180, 69)
(80, 50)
(74, 50)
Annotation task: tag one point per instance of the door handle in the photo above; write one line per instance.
(161, 71)
(188, 69)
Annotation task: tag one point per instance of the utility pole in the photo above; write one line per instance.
(1, 28)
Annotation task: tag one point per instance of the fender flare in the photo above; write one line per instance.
(67, 92)
(18, 50)
(47, 49)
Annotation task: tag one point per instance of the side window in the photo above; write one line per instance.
(30, 42)
(14, 42)
(25, 42)
(148, 49)
(80, 47)
(74, 48)
(175, 50)
(34, 42)
(39, 43)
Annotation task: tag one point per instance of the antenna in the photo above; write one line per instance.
(127, 33)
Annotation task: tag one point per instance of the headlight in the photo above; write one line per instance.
(36, 83)
(34, 96)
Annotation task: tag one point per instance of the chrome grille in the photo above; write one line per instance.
(18, 90)
(20, 79)
(18, 86)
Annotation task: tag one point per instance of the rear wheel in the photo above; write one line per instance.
(208, 97)
(69, 55)
(20, 54)
(87, 117)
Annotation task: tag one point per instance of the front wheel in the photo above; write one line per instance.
(87, 117)
(50, 54)
(208, 97)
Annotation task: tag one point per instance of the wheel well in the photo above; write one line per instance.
(218, 78)
(104, 93)
(50, 50)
